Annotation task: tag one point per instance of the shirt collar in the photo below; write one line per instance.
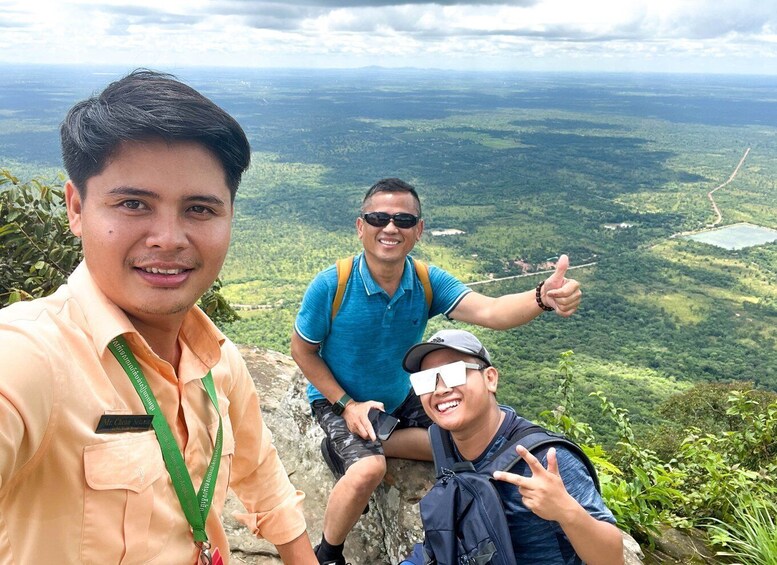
(104, 321)
(372, 287)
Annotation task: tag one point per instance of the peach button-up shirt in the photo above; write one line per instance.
(70, 495)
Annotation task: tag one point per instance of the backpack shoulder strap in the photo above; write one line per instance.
(535, 438)
(344, 268)
(422, 271)
(443, 454)
(505, 457)
(442, 449)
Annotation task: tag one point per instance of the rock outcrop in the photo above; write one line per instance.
(686, 547)
(387, 532)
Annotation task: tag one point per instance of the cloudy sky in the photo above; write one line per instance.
(718, 36)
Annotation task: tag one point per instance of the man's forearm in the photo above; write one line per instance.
(595, 542)
(513, 310)
(502, 313)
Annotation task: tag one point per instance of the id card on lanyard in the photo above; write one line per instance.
(195, 505)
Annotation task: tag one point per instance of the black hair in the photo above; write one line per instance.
(392, 185)
(148, 105)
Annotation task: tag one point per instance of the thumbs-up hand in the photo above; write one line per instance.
(560, 293)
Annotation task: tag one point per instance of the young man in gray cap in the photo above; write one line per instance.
(553, 509)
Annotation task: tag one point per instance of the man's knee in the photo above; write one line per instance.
(367, 473)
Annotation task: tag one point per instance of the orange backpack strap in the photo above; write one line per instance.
(344, 268)
(422, 271)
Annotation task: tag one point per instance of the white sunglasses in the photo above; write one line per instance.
(452, 374)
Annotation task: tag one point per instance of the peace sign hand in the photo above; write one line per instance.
(543, 492)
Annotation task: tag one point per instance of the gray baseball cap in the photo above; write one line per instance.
(458, 340)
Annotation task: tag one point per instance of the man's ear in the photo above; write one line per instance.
(359, 227)
(419, 229)
(492, 378)
(74, 204)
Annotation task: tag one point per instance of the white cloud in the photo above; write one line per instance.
(690, 35)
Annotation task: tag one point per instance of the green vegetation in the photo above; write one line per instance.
(722, 478)
(751, 538)
(37, 249)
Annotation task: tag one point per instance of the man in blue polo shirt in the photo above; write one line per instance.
(353, 361)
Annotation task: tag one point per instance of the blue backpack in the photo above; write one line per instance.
(463, 517)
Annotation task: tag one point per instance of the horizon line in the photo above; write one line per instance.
(395, 68)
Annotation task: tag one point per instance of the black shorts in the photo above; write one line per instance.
(351, 447)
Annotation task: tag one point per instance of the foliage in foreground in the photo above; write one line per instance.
(722, 481)
(38, 251)
(751, 538)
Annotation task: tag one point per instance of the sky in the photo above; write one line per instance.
(687, 36)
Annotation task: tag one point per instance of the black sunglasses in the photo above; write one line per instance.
(381, 219)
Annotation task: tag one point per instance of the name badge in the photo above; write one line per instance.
(118, 423)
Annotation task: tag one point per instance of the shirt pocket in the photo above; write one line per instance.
(129, 503)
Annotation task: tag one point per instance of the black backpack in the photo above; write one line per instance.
(463, 517)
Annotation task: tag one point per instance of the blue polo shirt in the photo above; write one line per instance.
(365, 344)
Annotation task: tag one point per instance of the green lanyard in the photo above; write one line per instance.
(195, 506)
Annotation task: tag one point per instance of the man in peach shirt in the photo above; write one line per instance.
(84, 477)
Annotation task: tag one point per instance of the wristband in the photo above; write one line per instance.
(538, 296)
(339, 407)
